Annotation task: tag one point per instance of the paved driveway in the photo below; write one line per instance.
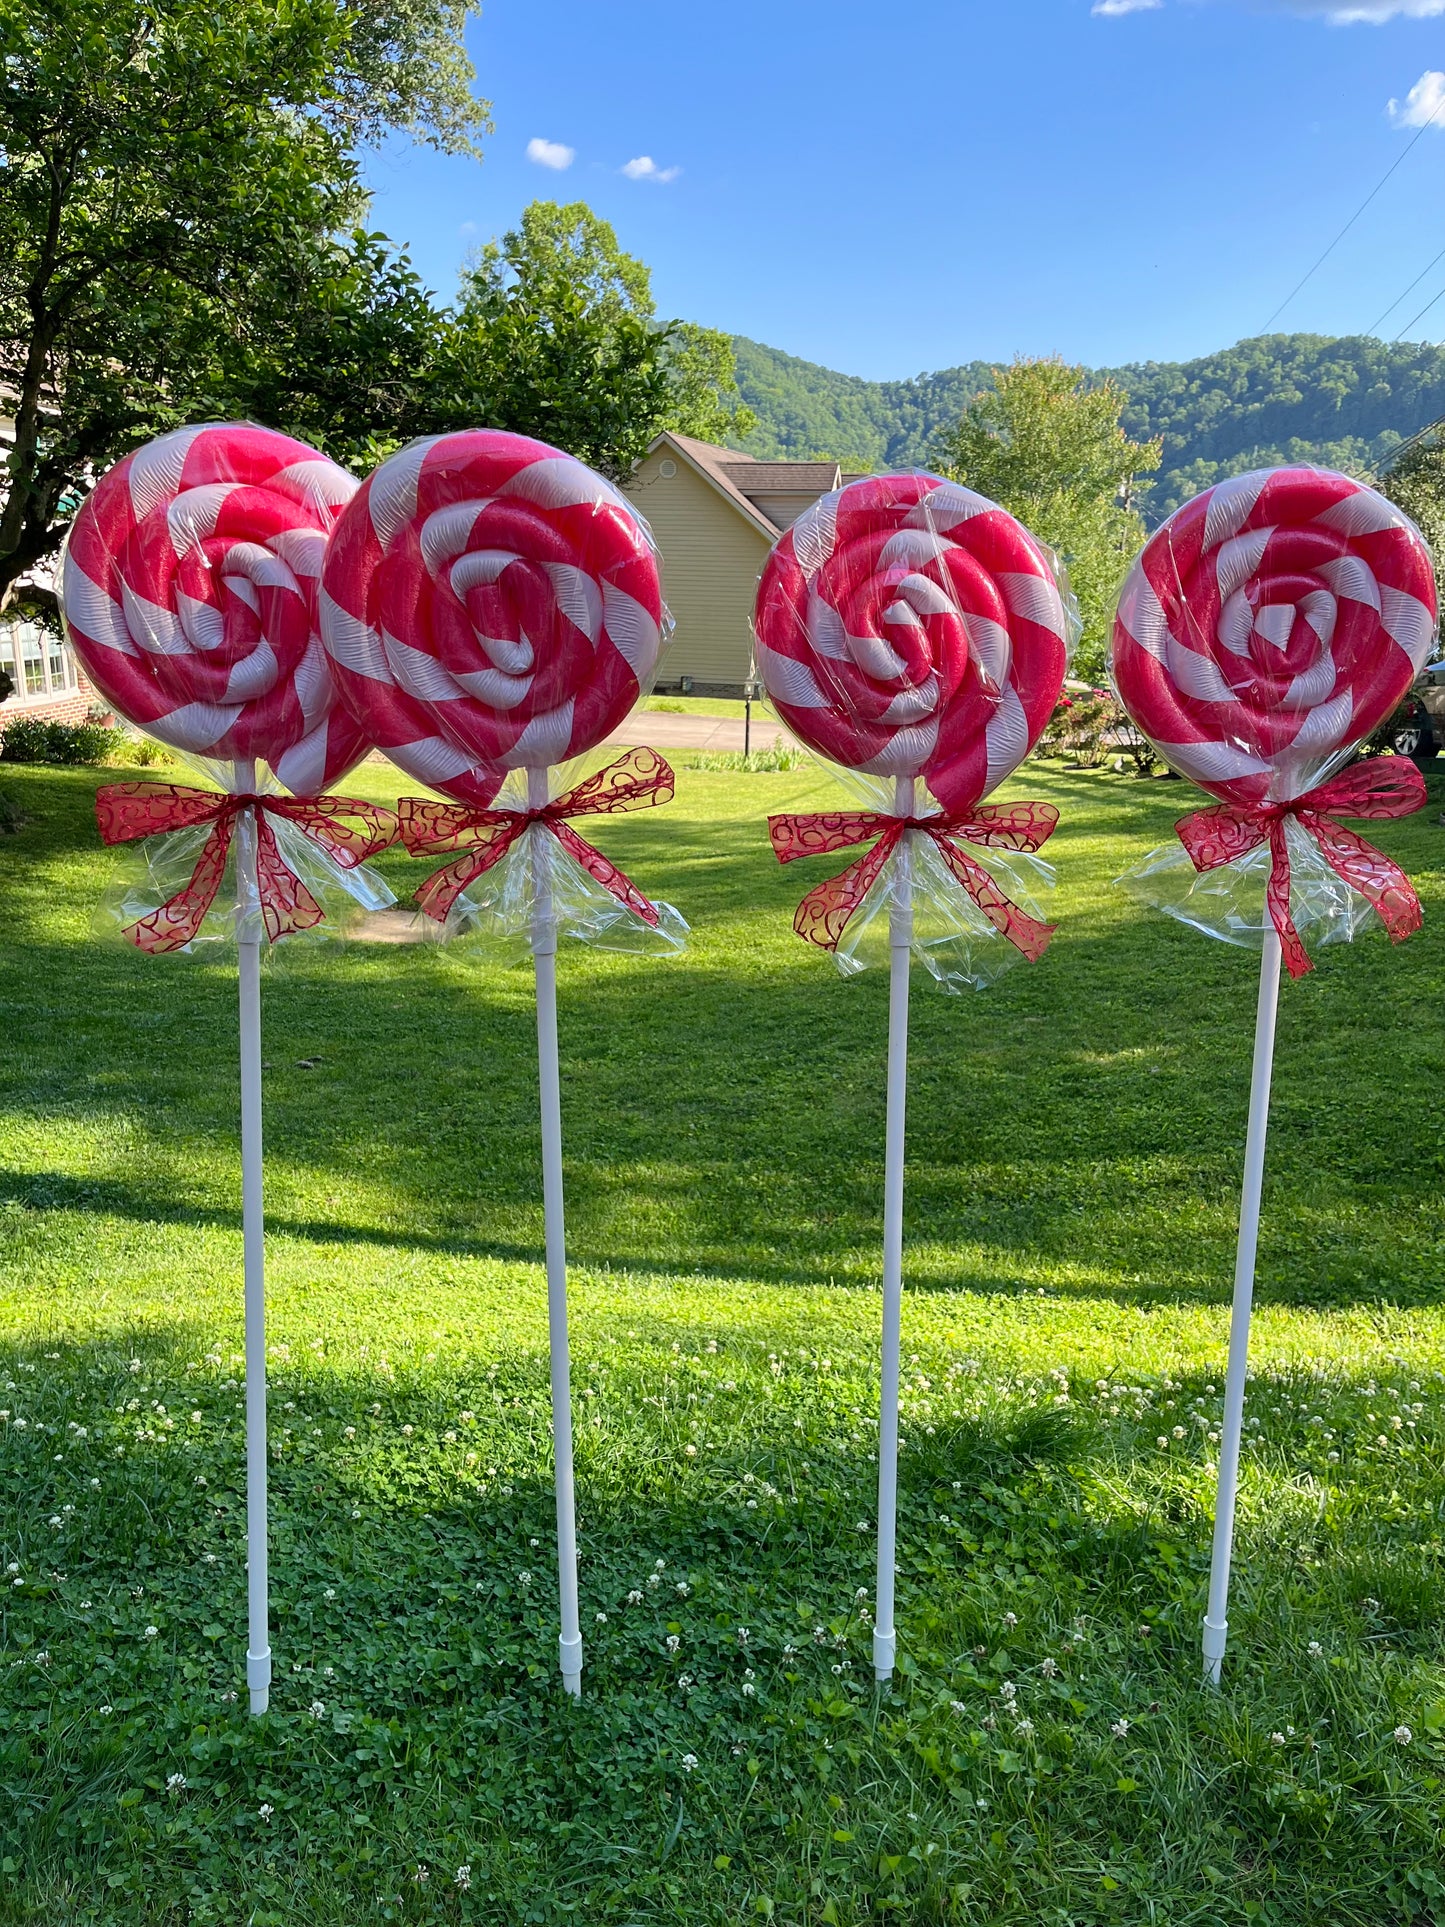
(667, 729)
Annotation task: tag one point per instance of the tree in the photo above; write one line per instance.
(175, 179)
(1052, 452)
(558, 336)
(1415, 482)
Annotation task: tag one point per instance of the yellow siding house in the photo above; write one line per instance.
(715, 514)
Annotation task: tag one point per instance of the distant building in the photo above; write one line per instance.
(47, 679)
(715, 514)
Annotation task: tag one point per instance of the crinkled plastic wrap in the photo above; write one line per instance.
(189, 583)
(493, 612)
(1264, 631)
(151, 872)
(916, 636)
(490, 604)
(537, 880)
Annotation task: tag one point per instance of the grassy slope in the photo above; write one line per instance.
(1075, 1151)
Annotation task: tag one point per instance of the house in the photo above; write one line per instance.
(44, 676)
(715, 514)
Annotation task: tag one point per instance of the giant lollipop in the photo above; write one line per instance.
(908, 628)
(491, 605)
(189, 588)
(1263, 632)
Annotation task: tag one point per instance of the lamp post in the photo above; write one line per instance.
(752, 693)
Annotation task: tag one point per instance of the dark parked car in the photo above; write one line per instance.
(1417, 727)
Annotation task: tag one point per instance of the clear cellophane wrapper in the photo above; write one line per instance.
(499, 915)
(149, 872)
(951, 937)
(1229, 902)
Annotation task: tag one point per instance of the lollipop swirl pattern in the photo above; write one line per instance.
(909, 627)
(1264, 631)
(489, 604)
(190, 585)
(1269, 626)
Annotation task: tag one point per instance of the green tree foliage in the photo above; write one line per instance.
(556, 335)
(175, 178)
(1050, 448)
(1345, 403)
(1416, 483)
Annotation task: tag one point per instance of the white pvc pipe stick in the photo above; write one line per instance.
(544, 953)
(253, 1237)
(1216, 1622)
(900, 939)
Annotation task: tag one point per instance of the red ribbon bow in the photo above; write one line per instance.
(349, 831)
(638, 780)
(824, 914)
(1377, 787)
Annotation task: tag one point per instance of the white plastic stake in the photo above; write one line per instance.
(253, 1236)
(1216, 1622)
(900, 939)
(544, 954)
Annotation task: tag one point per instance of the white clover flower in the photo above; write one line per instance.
(601, 1618)
(689, 1761)
(1276, 1739)
(463, 1878)
(104, 1711)
(524, 1578)
(349, 1432)
(407, 1430)
(1315, 1650)
(673, 1642)
(1010, 1620)
(743, 1635)
(653, 1582)
(422, 1874)
(684, 1682)
(789, 1650)
(690, 1451)
(957, 1706)
(151, 1632)
(1402, 1736)
(634, 1598)
(1049, 1668)
(175, 1783)
(1024, 1729)
(1119, 1728)
(330, 1593)
(317, 1709)
(1008, 1692)
(682, 1589)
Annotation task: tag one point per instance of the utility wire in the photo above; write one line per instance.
(1424, 311)
(1399, 158)
(1374, 325)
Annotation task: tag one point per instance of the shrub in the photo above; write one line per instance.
(783, 756)
(1087, 729)
(37, 739)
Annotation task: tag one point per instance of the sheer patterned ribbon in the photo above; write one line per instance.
(349, 831)
(824, 914)
(1377, 787)
(638, 780)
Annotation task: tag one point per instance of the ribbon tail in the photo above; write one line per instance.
(1296, 957)
(825, 913)
(287, 906)
(1024, 932)
(439, 893)
(604, 871)
(176, 922)
(1377, 877)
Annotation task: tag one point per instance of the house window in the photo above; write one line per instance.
(39, 664)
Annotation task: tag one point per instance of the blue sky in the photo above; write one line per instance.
(889, 189)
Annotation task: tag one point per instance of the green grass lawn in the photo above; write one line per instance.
(1048, 1755)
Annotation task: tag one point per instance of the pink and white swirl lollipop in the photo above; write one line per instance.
(489, 603)
(907, 626)
(189, 587)
(1269, 626)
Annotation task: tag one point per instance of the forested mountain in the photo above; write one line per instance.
(1345, 402)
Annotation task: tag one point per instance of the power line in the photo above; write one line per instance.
(1374, 325)
(1424, 311)
(1399, 158)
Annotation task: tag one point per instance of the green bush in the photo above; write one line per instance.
(37, 739)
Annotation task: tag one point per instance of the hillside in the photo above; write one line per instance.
(1345, 402)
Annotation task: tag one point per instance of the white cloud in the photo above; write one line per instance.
(551, 154)
(645, 168)
(1111, 9)
(1423, 104)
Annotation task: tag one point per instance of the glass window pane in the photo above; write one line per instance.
(32, 660)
